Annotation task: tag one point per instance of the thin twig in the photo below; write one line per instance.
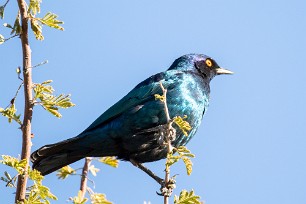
(14, 98)
(12, 181)
(11, 37)
(83, 186)
(4, 5)
(169, 146)
(42, 63)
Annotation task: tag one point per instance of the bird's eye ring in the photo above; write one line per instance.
(208, 62)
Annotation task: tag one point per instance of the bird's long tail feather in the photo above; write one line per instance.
(52, 157)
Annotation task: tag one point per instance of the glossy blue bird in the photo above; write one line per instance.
(129, 129)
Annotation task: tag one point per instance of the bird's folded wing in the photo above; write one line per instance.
(140, 94)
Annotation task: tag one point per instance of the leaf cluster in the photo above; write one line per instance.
(96, 198)
(111, 161)
(44, 94)
(49, 19)
(187, 198)
(99, 198)
(37, 193)
(79, 199)
(65, 171)
(10, 113)
(182, 124)
(183, 154)
(160, 97)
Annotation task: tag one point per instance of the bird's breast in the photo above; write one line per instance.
(189, 97)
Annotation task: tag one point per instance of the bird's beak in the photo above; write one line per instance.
(221, 70)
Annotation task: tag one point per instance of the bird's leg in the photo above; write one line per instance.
(147, 171)
(166, 133)
(164, 190)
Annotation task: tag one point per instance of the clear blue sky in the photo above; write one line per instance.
(251, 145)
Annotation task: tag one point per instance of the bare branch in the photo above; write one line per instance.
(83, 186)
(11, 37)
(28, 110)
(169, 146)
(4, 5)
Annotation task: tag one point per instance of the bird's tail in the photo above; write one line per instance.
(52, 157)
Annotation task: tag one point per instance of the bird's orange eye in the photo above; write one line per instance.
(208, 62)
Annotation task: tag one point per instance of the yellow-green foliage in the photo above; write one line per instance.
(65, 171)
(182, 124)
(44, 94)
(111, 161)
(37, 193)
(184, 154)
(98, 198)
(187, 198)
(10, 113)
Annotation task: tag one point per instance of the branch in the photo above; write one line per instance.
(6, 3)
(83, 186)
(11, 37)
(28, 110)
(169, 146)
(13, 99)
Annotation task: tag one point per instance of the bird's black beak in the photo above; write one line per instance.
(221, 70)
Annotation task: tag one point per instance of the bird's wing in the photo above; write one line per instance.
(140, 94)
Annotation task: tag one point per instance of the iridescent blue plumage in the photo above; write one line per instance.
(129, 129)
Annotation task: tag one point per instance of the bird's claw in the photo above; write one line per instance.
(167, 189)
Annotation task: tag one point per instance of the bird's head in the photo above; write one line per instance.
(204, 65)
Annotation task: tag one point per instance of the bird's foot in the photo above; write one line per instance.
(167, 189)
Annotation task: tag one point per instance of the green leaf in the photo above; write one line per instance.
(50, 102)
(39, 194)
(1, 12)
(99, 198)
(50, 19)
(10, 182)
(35, 175)
(47, 82)
(53, 110)
(187, 198)
(183, 154)
(34, 6)
(1, 39)
(78, 199)
(159, 97)
(188, 165)
(65, 172)
(17, 164)
(36, 28)
(10, 113)
(17, 27)
(111, 161)
(182, 124)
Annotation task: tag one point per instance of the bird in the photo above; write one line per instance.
(129, 130)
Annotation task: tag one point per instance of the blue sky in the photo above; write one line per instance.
(250, 147)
